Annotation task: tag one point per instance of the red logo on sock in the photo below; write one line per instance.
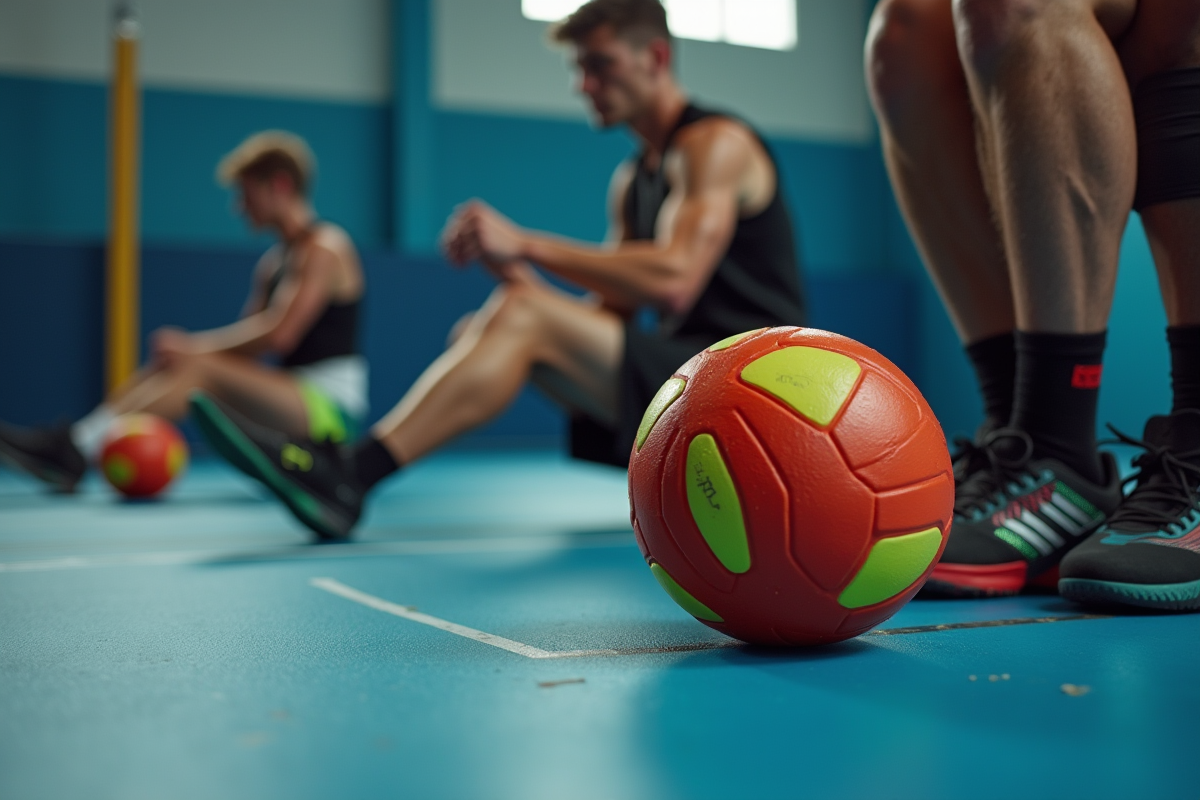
(1086, 376)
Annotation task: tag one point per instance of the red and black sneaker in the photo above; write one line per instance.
(1015, 517)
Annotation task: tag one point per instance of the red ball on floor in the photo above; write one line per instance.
(790, 486)
(142, 454)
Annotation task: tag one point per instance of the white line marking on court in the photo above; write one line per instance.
(342, 590)
(529, 651)
(303, 552)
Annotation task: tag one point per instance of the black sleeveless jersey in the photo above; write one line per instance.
(757, 282)
(335, 333)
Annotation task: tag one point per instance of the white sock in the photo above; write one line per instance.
(88, 433)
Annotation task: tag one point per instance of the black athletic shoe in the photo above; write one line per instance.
(47, 454)
(314, 480)
(1148, 553)
(1015, 519)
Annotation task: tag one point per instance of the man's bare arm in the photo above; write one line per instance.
(282, 322)
(695, 227)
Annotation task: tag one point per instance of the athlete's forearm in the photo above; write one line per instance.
(251, 336)
(626, 277)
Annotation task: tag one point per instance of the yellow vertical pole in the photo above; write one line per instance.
(123, 320)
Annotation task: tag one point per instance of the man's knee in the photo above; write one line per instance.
(514, 310)
(906, 41)
(459, 328)
(193, 369)
(988, 30)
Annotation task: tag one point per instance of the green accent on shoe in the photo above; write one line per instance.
(295, 457)
(891, 567)
(327, 422)
(1025, 548)
(814, 382)
(1078, 501)
(667, 394)
(682, 597)
(714, 503)
(237, 448)
(730, 341)
(1166, 596)
(120, 470)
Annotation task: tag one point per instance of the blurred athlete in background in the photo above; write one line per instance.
(303, 308)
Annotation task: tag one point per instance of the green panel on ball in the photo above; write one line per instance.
(177, 455)
(813, 381)
(682, 597)
(120, 470)
(667, 394)
(714, 503)
(730, 341)
(892, 566)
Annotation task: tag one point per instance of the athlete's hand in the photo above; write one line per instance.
(477, 232)
(170, 345)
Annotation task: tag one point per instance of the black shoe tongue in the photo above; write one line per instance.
(1183, 433)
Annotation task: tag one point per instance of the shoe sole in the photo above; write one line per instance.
(57, 481)
(1163, 596)
(976, 580)
(236, 448)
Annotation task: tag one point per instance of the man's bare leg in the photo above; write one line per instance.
(268, 396)
(927, 127)
(1056, 148)
(1054, 111)
(1141, 558)
(524, 326)
(1055, 119)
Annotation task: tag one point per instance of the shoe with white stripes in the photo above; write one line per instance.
(1017, 517)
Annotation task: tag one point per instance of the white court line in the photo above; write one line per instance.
(342, 590)
(303, 552)
(371, 601)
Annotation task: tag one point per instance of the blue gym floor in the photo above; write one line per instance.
(198, 647)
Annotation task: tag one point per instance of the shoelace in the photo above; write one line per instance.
(964, 458)
(979, 491)
(1156, 503)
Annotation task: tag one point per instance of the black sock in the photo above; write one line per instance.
(995, 363)
(372, 461)
(1185, 366)
(1057, 387)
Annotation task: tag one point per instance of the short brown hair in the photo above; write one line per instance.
(636, 21)
(267, 154)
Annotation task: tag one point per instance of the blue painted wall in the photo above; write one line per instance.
(53, 157)
(549, 175)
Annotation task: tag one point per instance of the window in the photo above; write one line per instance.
(769, 24)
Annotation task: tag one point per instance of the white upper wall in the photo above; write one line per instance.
(487, 57)
(327, 49)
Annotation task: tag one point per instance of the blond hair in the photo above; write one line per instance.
(266, 154)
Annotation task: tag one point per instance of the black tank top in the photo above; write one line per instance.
(756, 283)
(335, 333)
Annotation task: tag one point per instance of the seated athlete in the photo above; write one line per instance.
(303, 308)
(698, 232)
(1018, 135)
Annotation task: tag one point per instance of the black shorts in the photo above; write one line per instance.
(647, 362)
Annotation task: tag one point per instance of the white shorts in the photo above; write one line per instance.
(343, 379)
